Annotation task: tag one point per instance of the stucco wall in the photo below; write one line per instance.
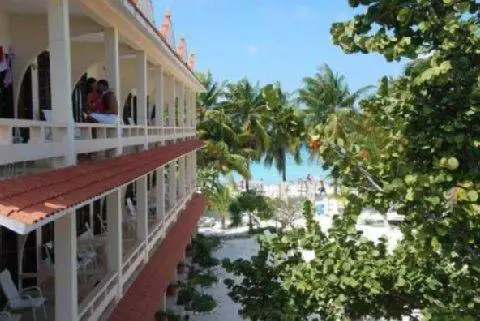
(27, 45)
(4, 30)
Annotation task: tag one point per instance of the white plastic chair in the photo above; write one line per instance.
(103, 225)
(130, 216)
(7, 316)
(24, 299)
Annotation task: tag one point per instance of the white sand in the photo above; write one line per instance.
(227, 309)
(235, 248)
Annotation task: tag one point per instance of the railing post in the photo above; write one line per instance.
(115, 238)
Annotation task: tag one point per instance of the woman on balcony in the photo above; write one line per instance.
(103, 104)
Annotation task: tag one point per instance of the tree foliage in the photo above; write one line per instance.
(414, 147)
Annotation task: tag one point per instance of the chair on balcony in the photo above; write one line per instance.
(28, 298)
(130, 216)
(103, 225)
(84, 262)
(7, 316)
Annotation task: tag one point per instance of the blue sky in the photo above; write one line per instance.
(269, 40)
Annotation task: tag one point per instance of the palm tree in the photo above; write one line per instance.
(324, 94)
(246, 108)
(285, 130)
(219, 201)
(221, 150)
(208, 99)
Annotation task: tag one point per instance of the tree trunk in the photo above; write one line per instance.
(284, 166)
(224, 222)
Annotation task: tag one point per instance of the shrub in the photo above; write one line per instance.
(203, 303)
(235, 214)
(168, 315)
(185, 295)
(204, 280)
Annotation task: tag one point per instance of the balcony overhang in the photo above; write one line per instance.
(31, 201)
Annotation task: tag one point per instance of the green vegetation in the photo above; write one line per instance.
(167, 315)
(413, 145)
(199, 275)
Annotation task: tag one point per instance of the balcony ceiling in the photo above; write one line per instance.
(34, 7)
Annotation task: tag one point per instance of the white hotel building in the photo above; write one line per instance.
(97, 216)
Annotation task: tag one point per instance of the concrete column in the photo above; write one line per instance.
(193, 122)
(142, 92)
(35, 93)
(187, 172)
(172, 183)
(61, 76)
(181, 176)
(160, 195)
(170, 95)
(115, 237)
(142, 213)
(181, 105)
(159, 103)
(194, 169)
(112, 68)
(65, 245)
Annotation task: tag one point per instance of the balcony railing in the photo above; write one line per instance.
(98, 301)
(44, 140)
(24, 140)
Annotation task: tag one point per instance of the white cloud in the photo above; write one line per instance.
(252, 50)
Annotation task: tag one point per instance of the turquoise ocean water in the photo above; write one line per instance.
(294, 171)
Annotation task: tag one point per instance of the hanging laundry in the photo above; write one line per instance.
(3, 60)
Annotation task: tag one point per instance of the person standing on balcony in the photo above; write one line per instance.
(105, 111)
(94, 98)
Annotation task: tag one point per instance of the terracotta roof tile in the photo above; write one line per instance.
(145, 295)
(29, 199)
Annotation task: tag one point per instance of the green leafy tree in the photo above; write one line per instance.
(285, 129)
(425, 166)
(324, 94)
(219, 201)
(253, 204)
(246, 107)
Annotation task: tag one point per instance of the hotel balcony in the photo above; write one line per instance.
(93, 213)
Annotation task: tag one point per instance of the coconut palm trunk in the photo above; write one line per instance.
(223, 221)
(284, 165)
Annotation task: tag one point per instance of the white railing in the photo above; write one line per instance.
(97, 302)
(132, 135)
(95, 137)
(45, 140)
(23, 140)
(133, 262)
